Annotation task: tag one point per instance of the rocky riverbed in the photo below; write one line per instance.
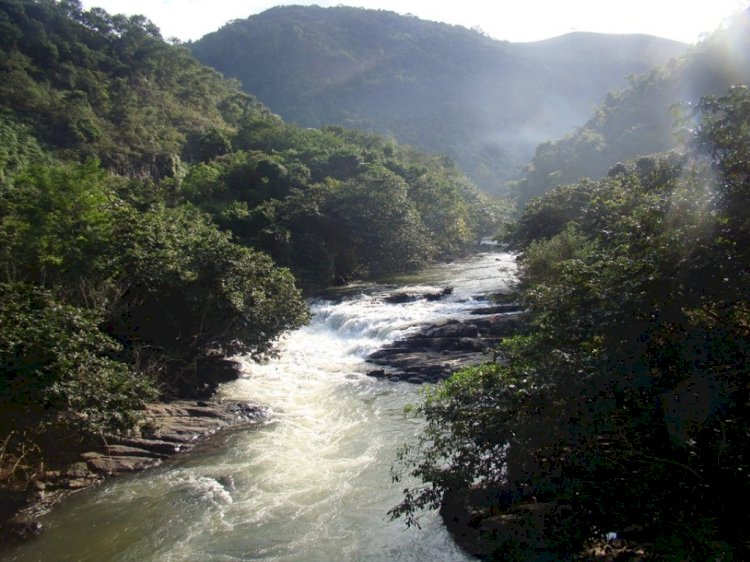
(430, 355)
(171, 428)
(439, 349)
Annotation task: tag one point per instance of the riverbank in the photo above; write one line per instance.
(175, 427)
(170, 428)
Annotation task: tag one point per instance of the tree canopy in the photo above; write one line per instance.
(623, 405)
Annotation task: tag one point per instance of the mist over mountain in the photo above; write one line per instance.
(645, 117)
(438, 87)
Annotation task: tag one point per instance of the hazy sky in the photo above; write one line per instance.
(515, 20)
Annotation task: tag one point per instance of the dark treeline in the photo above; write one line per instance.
(155, 219)
(623, 407)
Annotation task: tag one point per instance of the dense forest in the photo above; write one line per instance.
(640, 119)
(155, 219)
(441, 88)
(623, 406)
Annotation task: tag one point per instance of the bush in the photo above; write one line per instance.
(58, 371)
(191, 292)
(624, 402)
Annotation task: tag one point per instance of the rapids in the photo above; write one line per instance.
(311, 485)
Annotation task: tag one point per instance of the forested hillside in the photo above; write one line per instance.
(440, 88)
(642, 118)
(155, 219)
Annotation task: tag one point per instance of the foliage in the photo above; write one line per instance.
(57, 224)
(58, 369)
(89, 84)
(380, 225)
(191, 291)
(18, 149)
(623, 404)
(334, 204)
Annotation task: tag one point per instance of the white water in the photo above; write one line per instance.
(312, 485)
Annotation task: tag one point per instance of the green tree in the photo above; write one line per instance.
(57, 224)
(58, 375)
(620, 408)
(381, 230)
(190, 291)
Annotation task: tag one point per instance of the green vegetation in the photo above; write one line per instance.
(154, 220)
(640, 119)
(441, 88)
(623, 406)
(334, 204)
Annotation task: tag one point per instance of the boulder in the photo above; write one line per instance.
(401, 298)
(120, 465)
(440, 349)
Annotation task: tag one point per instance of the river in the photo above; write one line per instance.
(313, 484)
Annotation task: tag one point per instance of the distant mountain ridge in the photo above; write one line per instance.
(442, 88)
(642, 118)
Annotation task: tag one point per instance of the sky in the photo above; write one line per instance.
(514, 20)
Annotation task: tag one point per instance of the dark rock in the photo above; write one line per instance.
(507, 325)
(496, 309)
(440, 349)
(470, 344)
(401, 298)
(21, 528)
(120, 465)
(76, 483)
(128, 451)
(155, 446)
(77, 470)
(437, 296)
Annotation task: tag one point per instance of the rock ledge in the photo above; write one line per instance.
(173, 427)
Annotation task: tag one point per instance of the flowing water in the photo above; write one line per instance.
(314, 483)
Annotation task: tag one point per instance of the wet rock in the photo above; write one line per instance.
(129, 451)
(506, 325)
(155, 446)
(120, 465)
(21, 528)
(77, 483)
(77, 470)
(442, 348)
(401, 298)
(497, 309)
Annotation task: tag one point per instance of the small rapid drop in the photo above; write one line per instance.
(314, 483)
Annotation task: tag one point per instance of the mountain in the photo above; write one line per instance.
(641, 119)
(440, 88)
